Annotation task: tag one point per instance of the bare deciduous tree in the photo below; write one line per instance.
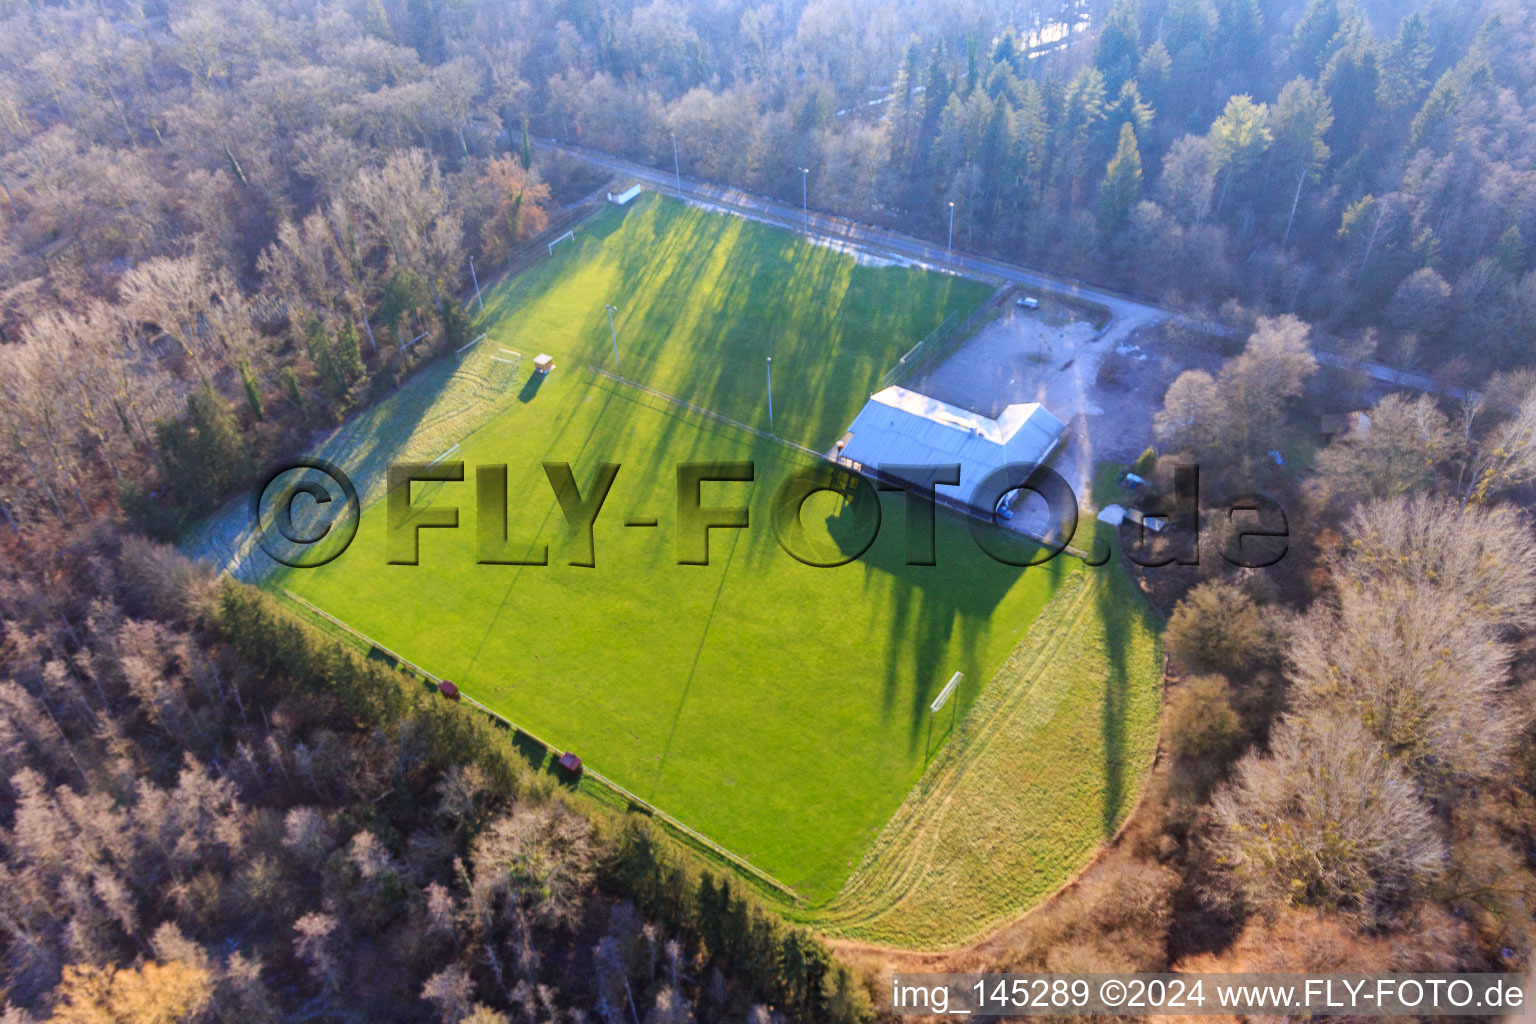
(200, 306)
(1189, 414)
(402, 207)
(1234, 417)
(1484, 554)
(1397, 454)
(1418, 670)
(450, 990)
(1502, 458)
(314, 944)
(1326, 819)
(534, 862)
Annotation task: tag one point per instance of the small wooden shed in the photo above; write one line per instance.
(1349, 424)
(448, 689)
(570, 763)
(543, 362)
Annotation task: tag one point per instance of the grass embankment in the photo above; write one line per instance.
(1044, 769)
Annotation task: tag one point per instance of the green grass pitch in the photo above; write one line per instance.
(779, 709)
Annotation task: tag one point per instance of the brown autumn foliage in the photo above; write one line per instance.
(1326, 819)
(1218, 628)
(1302, 939)
(210, 813)
(517, 207)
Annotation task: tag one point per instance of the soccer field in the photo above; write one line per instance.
(703, 299)
(778, 708)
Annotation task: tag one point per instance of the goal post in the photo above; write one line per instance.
(568, 236)
(924, 355)
(933, 710)
(946, 693)
(504, 367)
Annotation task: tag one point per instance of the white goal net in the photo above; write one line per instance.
(503, 368)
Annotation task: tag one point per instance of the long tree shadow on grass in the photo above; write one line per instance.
(929, 603)
(831, 325)
(1121, 613)
(665, 270)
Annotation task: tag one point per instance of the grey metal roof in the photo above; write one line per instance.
(901, 427)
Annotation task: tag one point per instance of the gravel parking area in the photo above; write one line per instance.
(1053, 356)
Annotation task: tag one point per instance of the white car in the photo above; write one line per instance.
(1029, 302)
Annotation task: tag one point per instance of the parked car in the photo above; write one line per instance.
(1029, 302)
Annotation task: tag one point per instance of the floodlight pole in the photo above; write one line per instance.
(613, 331)
(677, 168)
(770, 396)
(476, 278)
(949, 246)
(805, 205)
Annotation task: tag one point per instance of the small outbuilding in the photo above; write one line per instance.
(1114, 515)
(448, 689)
(543, 362)
(1349, 424)
(623, 198)
(570, 763)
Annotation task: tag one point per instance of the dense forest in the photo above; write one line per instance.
(227, 225)
(1327, 158)
(266, 204)
(215, 813)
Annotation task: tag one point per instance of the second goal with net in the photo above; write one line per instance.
(503, 369)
